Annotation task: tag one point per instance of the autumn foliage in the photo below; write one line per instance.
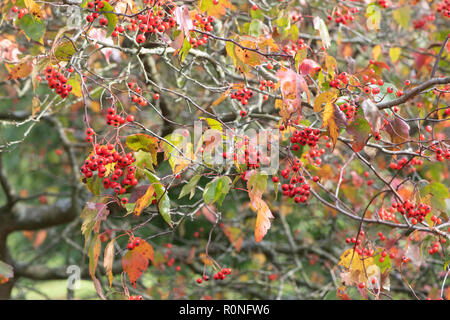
(220, 149)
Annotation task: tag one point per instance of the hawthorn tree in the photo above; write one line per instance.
(215, 149)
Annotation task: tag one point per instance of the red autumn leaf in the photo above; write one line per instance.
(135, 261)
(292, 85)
(308, 66)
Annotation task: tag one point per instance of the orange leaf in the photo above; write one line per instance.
(20, 70)
(135, 262)
(215, 10)
(263, 218)
(39, 238)
(144, 201)
(330, 122)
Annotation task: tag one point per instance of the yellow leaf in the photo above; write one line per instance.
(324, 97)
(376, 52)
(35, 106)
(144, 201)
(109, 260)
(351, 260)
(247, 56)
(207, 261)
(329, 121)
(330, 64)
(394, 53)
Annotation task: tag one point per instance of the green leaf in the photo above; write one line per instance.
(33, 27)
(384, 95)
(94, 253)
(257, 182)
(65, 51)
(190, 187)
(145, 142)
(162, 196)
(293, 32)
(360, 130)
(111, 17)
(438, 194)
(94, 185)
(143, 160)
(386, 264)
(257, 14)
(185, 49)
(254, 28)
(402, 16)
(216, 190)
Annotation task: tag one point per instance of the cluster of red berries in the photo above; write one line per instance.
(96, 6)
(247, 154)
(205, 23)
(294, 47)
(349, 109)
(383, 4)
(314, 155)
(440, 154)
(420, 23)
(57, 81)
(404, 162)
(133, 243)
(136, 98)
(21, 12)
(117, 30)
(340, 18)
(113, 119)
(242, 95)
(443, 7)
(220, 275)
(266, 83)
(136, 298)
(153, 22)
(300, 192)
(106, 155)
(434, 248)
(369, 90)
(417, 213)
(307, 136)
(340, 81)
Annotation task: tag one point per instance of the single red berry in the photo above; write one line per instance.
(140, 38)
